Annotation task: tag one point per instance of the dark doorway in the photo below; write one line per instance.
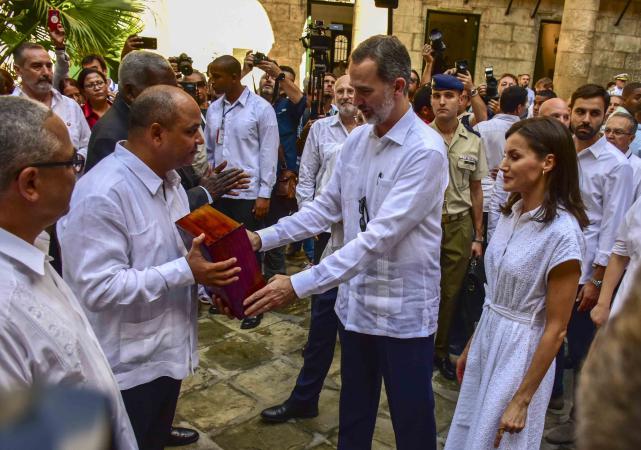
(546, 52)
(460, 34)
(339, 16)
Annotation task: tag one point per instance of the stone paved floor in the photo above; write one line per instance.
(242, 372)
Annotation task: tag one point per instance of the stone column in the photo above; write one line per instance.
(576, 41)
(368, 21)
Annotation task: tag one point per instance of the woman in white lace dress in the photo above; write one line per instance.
(533, 267)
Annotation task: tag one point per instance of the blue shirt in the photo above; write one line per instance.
(288, 115)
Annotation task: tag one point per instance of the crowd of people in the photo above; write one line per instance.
(397, 184)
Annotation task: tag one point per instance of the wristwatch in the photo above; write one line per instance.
(597, 283)
(281, 76)
(474, 92)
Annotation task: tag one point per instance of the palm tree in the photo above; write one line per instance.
(91, 26)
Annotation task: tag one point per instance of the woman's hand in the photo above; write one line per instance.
(513, 419)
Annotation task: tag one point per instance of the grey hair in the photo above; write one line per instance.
(137, 68)
(390, 55)
(633, 122)
(23, 138)
(18, 53)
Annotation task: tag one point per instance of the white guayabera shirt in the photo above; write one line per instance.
(45, 338)
(389, 275)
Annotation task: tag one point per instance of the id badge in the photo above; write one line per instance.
(466, 163)
(219, 136)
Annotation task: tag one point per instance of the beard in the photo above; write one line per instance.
(382, 113)
(585, 132)
(347, 109)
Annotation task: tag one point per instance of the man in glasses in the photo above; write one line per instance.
(387, 188)
(33, 64)
(45, 338)
(126, 260)
(199, 83)
(620, 130)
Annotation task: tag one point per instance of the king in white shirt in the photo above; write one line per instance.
(387, 188)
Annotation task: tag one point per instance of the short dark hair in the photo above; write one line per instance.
(591, 90)
(94, 57)
(630, 88)
(390, 55)
(18, 53)
(84, 73)
(422, 97)
(545, 135)
(511, 98)
(228, 63)
(330, 74)
(510, 75)
(288, 70)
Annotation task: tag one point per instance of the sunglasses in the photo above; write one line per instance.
(362, 210)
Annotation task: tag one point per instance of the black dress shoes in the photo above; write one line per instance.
(445, 367)
(286, 411)
(251, 322)
(181, 436)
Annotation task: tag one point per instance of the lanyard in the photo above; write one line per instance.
(220, 133)
(222, 123)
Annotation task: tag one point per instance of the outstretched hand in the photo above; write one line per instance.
(278, 292)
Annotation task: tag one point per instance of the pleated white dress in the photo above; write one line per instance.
(519, 258)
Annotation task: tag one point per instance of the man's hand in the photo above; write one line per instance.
(277, 293)
(494, 106)
(58, 37)
(482, 89)
(588, 296)
(261, 208)
(222, 307)
(270, 67)
(133, 42)
(467, 81)
(208, 273)
(255, 240)
(427, 53)
(477, 250)
(248, 63)
(600, 314)
(219, 182)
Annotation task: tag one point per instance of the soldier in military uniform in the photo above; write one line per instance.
(462, 219)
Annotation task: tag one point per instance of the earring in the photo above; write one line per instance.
(543, 172)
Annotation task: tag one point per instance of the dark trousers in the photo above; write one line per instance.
(240, 210)
(405, 365)
(321, 342)
(151, 408)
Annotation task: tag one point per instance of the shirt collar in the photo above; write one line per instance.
(56, 96)
(21, 251)
(628, 153)
(399, 131)
(142, 171)
(507, 117)
(518, 207)
(242, 98)
(597, 148)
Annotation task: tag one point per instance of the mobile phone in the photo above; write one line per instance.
(149, 43)
(53, 20)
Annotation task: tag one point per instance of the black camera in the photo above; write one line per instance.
(184, 63)
(461, 67)
(492, 91)
(260, 57)
(436, 41)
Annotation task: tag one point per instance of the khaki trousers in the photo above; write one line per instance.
(455, 256)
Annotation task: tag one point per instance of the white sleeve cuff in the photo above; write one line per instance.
(264, 192)
(176, 273)
(268, 238)
(304, 283)
(209, 199)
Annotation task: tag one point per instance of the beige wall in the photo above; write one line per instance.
(509, 43)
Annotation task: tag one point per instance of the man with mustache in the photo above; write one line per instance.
(462, 212)
(605, 182)
(387, 188)
(322, 147)
(33, 64)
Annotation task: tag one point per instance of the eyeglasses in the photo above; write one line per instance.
(95, 84)
(77, 162)
(362, 210)
(616, 131)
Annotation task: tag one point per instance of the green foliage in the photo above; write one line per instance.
(91, 26)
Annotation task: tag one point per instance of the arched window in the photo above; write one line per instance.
(340, 48)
